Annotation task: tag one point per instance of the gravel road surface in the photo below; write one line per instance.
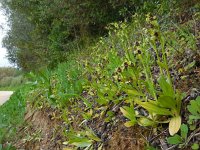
(4, 96)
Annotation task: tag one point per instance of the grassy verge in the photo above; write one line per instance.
(12, 115)
(10, 88)
(10, 79)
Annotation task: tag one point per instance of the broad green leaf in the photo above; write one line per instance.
(92, 135)
(176, 139)
(192, 117)
(129, 123)
(101, 99)
(150, 148)
(162, 65)
(184, 131)
(167, 102)
(151, 88)
(78, 139)
(198, 100)
(195, 146)
(143, 121)
(82, 143)
(128, 112)
(124, 112)
(166, 87)
(133, 92)
(153, 108)
(174, 125)
(193, 107)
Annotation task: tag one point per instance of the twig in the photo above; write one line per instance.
(144, 137)
(163, 144)
(193, 134)
(197, 134)
(117, 106)
(172, 147)
(158, 135)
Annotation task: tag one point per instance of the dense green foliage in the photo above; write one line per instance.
(10, 78)
(43, 32)
(8, 72)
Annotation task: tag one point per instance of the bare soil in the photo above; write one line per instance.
(42, 132)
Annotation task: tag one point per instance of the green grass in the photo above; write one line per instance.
(10, 88)
(8, 147)
(12, 115)
(11, 79)
(11, 83)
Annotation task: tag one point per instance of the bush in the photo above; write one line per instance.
(10, 78)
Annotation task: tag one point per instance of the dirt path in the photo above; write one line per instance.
(4, 96)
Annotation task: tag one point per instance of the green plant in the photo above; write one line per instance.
(129, 113)
(8, 147)
(195, 146)
(181, 139)
(194, 109)
(36, 136)
(160, 99)
(12, 113)
(83, 139)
